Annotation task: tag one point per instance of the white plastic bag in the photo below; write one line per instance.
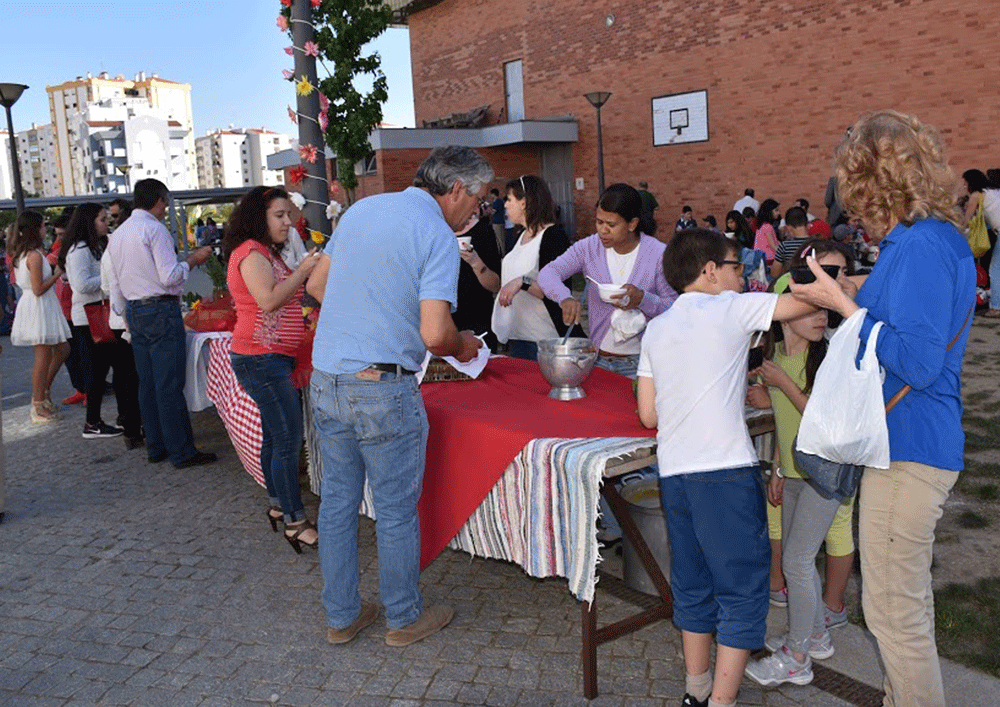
(626, 324)
(844, 420)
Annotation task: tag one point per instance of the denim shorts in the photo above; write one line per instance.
(720, 555)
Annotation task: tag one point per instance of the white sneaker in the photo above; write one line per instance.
(819, 648)
(835, 619)
(780, 668)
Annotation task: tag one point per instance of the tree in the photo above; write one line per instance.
(343, 29)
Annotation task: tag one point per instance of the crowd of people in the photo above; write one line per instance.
(500, 264)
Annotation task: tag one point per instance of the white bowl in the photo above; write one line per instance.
(465, 242)
(606, 292)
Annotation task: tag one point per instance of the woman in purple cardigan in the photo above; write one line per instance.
(617, 254)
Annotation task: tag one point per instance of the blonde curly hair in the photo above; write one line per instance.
(892, 168)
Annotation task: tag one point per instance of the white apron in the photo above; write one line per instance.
(526, 318)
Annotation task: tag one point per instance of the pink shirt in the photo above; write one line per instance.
(763, 239)
(259, 332)
(143, 261)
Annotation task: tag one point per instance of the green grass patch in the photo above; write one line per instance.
(980, 396)
(972, 520)
(987, 492)
(967, 619)
(978, 469)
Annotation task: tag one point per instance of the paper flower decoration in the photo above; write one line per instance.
(298, 200)
(282, 23)
(289, 50)
(311, 48)
(335, 189)
(333, 210)
(324, 121)
(308, 153)
(315, 3)
(316, 237)
(324, 103)
(286, 3)
(302, 226)
(292, 115)
(303, 87)
(288, 74)
(296, 174)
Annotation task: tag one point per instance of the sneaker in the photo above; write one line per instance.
(835, 619)
(689, 701)
(819, 648)
(75, 398)
(429, 622)
(780, 597)
(100, 431)
(779, 668)
(367, 616)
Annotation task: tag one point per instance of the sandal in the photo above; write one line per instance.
(275, 515)
(294, 530)
(40, 412)
(992, 314)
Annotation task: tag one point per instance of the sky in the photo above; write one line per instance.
(230, 51)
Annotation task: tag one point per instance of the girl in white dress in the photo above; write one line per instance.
(38, 320)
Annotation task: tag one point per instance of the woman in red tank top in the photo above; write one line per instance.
(269, 329)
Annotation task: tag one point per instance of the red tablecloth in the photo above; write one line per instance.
(478, 427)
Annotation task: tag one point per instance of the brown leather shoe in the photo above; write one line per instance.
(430, 621)
(369, 612)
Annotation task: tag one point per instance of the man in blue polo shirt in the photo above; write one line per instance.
(388, 284)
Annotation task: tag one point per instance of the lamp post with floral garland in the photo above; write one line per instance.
(311, 150)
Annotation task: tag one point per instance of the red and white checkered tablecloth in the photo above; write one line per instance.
(237, 409)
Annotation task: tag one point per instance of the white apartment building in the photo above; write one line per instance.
(104, 124)
(237, 157)
(36, 156)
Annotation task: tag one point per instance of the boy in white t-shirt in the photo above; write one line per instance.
(692, 386)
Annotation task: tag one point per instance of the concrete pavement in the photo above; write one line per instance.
(127, 583)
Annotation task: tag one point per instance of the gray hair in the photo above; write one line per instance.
(449, 164)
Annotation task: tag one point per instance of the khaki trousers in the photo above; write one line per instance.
(899, 508)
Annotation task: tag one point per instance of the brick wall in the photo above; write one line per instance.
(784, 80)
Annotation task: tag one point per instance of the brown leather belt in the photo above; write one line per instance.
(375, 371)
(608, 354)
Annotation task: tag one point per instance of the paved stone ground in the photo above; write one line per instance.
(126, 583)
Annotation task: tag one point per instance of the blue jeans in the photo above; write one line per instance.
(622, 365)
(518, 348)
(267, 379)
(158, 343)
(375, 430)
(720, 557)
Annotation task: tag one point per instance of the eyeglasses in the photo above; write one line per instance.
(523, 190)
(730, 262)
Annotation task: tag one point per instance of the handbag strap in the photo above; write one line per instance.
(906, 388)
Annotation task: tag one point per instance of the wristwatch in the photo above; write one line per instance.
(525, 283)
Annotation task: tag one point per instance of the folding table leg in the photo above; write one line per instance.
(589, 632)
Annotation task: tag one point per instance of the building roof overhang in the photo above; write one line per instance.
(522, 132)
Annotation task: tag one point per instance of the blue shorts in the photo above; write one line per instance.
(720, 556)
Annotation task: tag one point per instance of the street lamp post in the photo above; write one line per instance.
(598, 99)
(9, 93)
(124, 168)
